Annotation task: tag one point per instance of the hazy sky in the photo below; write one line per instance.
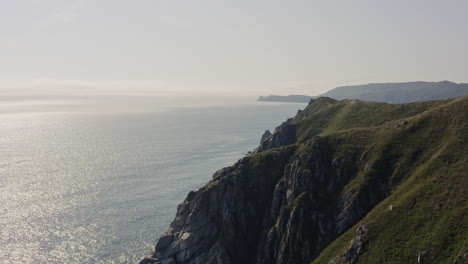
(250, 47)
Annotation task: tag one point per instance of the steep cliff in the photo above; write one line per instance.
(342, 182)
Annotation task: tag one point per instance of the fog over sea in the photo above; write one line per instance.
(97, 179)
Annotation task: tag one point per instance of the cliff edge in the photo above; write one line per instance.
(342, 182)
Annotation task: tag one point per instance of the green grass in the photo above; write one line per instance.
(325, 115)
(430, 170)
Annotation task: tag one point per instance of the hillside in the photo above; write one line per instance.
(342, 182)
(394, 93)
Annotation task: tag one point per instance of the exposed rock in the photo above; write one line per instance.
(168, 261)
(357, 245)
(356, 248)
(422, 256)
(336, 163)
(285, 134)
(461, 258)
(265, 136)
(150, 260)
(404, 123)
(164, 242)
(286, 212)
(365, 154)
(220, 223)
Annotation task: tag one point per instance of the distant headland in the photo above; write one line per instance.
(394, 93)
(286, 99)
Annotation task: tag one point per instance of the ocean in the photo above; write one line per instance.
(96, 179)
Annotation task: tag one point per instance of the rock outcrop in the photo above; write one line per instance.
(265, 136)
(285, 134)
(211, 222)
(355, 249)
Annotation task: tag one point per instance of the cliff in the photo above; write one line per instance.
(342, 182)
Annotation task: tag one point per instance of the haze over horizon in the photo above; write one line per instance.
(227, 48)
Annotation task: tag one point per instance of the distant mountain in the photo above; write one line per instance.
(399, 92)
(286, 99)
(386, 92)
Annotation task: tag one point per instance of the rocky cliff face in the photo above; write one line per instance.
(292, 198)
(283, 135)
(220, 223)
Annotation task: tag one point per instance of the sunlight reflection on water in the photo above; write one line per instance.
(98, 183)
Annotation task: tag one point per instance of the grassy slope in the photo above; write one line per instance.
(430, 203)
(326, 115)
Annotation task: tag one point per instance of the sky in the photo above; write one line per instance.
(238, 47)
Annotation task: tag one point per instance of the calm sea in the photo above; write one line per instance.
(97, 179)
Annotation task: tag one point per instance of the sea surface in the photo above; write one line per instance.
(96, 179)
